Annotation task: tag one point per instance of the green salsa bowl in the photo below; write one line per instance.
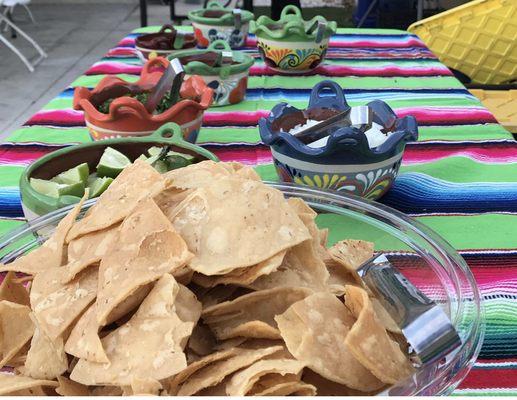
(35, 204)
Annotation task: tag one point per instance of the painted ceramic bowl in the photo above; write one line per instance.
(218, 23)
(223, 70)
(292, 45)
(128, 116)
(346, 162)
(165, 42)
(35, 204)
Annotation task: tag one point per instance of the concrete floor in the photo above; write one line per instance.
(74, 37)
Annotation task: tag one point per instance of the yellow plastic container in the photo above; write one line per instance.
(501, 103)
(478, 38)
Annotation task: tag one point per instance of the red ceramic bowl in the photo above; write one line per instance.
(128, 117)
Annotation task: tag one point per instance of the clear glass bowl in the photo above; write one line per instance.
(426, 259)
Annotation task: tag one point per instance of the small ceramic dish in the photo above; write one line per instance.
(346, 162)
(35, 204)
(223, 70)
(218, 23)
(292, 45)
(165, 42)
(128, 116)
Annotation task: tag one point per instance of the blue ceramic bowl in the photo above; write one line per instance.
(346, 162)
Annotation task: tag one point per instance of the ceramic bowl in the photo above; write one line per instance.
(128, 117)
(230, 81)
(346, 162)
(165, 42)
(285, 45)
(218, 23)
(35, 204)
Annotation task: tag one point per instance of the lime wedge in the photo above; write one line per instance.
(74, 175)
(185, 156)
(112, 163)
(177, 161)
(54, 189)
(160, 166)
(154, 151)
(98, 186)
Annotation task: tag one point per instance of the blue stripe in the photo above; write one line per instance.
(417, 193)
(10, 203)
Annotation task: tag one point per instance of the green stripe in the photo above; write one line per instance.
(7, 225)
(93, 80)
(308, 82)
(229, 135)
(10, 175)
(50, 135)
(463, 170)
(499, 231)
(464, 132)
(483, 393)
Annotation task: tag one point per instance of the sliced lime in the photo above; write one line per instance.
(177, 161)
(74, 175)
(154, 151)
(160, 166)
(54, 189)
(98, 186)
(112, 163)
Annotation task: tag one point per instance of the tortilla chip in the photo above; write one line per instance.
(384, 317)
(301, 207)
(12, 383)
(46, 358)
(242, 381)
(129, 304)
(242, 276)
(252, 315)
(35, 391)
(241, 170)
(314, 330)
(70, 388)
(351, 253)
(195, 175)
(271, 387)
(50, 253)
(339, 277)
(210, 373)
(369, 342)
(262, 224)
(56, 305)
(202, 340)
(136, 182)
(84, 341)
(169, 199)
(148, 247)
(145, 387)
(13, 291)
(19, 358)
(324, 387)
(230, 343)
(183, 275)
(160, 332)
(218, 295)
(89, 249)
(16, 329)
(107, 391)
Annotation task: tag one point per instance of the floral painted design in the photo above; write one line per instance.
(369, 184)
(234, 37)
(292, 59)
(228, 91)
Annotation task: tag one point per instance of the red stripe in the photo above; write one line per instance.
(496, 378)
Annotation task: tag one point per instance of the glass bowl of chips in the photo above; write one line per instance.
(420, 254)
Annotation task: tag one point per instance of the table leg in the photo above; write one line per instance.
(172, 9)
(143, 13)
(247, 5)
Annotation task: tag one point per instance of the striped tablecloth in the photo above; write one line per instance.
(460, 178)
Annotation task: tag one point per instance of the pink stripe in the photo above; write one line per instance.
(120, 51)
(66, 117)
(342, 70)
(429, 115)
(113, 67)
(487, 155)
(250, 156)
(127, 41)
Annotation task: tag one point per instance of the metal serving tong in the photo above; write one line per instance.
(424, 324)
(319, 27)
(171, 80)
(359, 117)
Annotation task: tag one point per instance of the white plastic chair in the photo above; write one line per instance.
(12, 25)
(10, 5)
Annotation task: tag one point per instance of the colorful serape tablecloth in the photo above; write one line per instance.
(460, 178)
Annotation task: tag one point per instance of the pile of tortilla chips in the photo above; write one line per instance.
(201, 281)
